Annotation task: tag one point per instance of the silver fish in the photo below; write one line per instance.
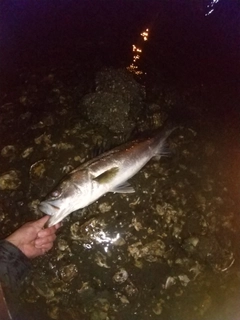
(108, 172)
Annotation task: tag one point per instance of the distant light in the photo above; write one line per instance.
(133, 67)
(207, 14)
(135, 58)
(144, 34)
(136, 49)
(210, 7)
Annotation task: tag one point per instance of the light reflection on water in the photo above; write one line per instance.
(103, 238)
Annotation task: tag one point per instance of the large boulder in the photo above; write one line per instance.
(117, 101)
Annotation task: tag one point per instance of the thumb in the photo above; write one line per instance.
(41, 222)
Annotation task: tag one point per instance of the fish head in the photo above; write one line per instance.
(61, 202)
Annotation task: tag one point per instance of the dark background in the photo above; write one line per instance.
(185, 44)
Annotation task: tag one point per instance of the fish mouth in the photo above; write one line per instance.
(55, 219)
(48, 208)
(56, 212)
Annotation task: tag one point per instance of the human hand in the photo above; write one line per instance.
(32, 239)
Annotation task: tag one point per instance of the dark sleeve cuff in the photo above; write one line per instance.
(14, 265)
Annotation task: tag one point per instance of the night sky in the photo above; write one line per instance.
(184, 43)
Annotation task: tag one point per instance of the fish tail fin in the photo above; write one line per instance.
(160, 145)
(167, 128)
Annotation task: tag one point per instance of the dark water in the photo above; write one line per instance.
(171, 250)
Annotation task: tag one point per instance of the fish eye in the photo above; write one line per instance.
(55, 194)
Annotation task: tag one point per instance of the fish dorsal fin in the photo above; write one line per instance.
(107, 175)
(123, 188)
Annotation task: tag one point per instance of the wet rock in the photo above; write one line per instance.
(190, 244)
(118, 241)
(84, 288)
(76, 231)
(151, 251)
(158, 308)
(42, 288)
(45, 140)
(104, 207)
(131, 290)
(209, 250)
(62, 146)
(100, 311)
(67, 273)
(119, 80)
(53, 311)
(87, 231)
(122, 298)
(2, 215)
(103, 108)
(184, 279)
(94, 231)
(47, 121)
(30, 295)
(206, 304)
(118, 96)
(181, 197)
(63, 245)
(155, 115)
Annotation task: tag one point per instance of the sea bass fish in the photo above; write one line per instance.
(108, 172)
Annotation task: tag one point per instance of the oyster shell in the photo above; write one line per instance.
(10, 180)
(67, 273)
(38, 169)
(27, 152)
(8, 151)
(101, 260)
(120, 276)
(151, 251)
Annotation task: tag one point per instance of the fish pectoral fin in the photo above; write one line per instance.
(123, 188)
(107, 176)
(164, 152)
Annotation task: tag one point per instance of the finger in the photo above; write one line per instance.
(47, 232)
(42, 251)
(58, 225)
(47, 247)
(43, 241)
(41, 222)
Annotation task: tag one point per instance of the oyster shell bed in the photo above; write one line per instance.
(168, 251)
